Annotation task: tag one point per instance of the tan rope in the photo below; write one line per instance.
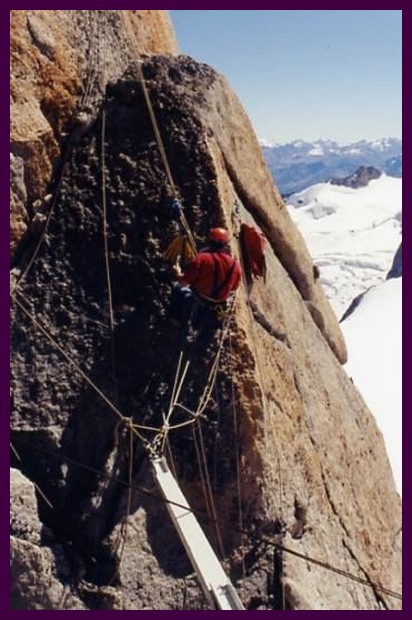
(125, 419)
(106, 254)
(210, 492)
(124, 525)
(151, 112)
(201, 474)
(237, 455)
(163, 155)
(208, 389)
(156, 130)
(170, 458)
(177, 387)
(266, 539)
(105, 224)
(46, 225)
(93, 60)
(93, 68)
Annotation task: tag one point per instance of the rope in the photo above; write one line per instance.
(201, 473)
(274, 438)
(124, 525)
(203, 402)
(106, 255)
(263, 538)
(163, 155)
(237, 456)
(94, 30)
(217, 436)
(162, 437)
(209, 491)
(177, 387)
(151, 113)
(207, 392)
(339, 571)
(124, 419)
(46, 225)
(16, 454)
(170, 458)
(265, 406)
(127, 420)
(159, 441)
(83, 102)
(156, 130)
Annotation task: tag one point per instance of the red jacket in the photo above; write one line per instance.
(212, 274)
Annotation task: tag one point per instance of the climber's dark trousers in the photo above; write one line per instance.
(185, 306)
(182, 302)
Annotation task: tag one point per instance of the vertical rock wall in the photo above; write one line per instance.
(60, 63)
(289, 444)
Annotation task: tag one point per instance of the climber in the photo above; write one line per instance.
(206, 283)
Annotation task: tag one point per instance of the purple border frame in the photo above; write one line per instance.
(4, 305)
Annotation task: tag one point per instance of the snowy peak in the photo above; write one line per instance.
(360, 178)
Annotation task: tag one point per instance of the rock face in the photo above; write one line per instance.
(396, 269)
(288, 443)
(40, 576)
(60, 63)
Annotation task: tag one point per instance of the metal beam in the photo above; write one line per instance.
(214, 582)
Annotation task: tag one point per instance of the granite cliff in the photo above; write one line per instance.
(292, 452)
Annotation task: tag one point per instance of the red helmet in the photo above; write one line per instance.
(219, 236)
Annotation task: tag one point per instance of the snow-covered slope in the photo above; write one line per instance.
(373, 335)
(352, 234)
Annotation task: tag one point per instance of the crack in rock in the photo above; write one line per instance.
(267, 325)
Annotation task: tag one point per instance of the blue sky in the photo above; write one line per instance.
(305, 74)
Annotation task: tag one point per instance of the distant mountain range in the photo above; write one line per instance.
(297, 165)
